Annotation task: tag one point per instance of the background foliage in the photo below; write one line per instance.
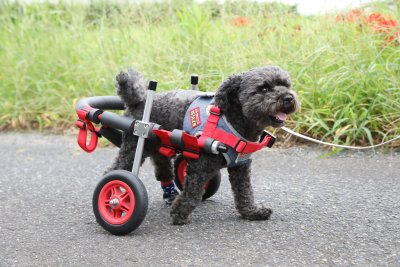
(346, 74)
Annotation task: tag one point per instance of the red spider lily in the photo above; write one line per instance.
(386, 26)
(376, 22)
(374, 18)
(241, 21)
(339, 18)
(388, 23)
(380, 22)
(354, 14)
(395, 37)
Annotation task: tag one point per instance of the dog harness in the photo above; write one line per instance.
(205, 120)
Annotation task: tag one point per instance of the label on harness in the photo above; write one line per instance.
(243, 157)
(195, 117)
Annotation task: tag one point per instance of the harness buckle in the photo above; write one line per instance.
(215, 110)
(240, 146)
(267, 137)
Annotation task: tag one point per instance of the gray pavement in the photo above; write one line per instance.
(342, 210)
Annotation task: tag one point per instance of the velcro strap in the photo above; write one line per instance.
(191, 147)
(84, 127)
(167, 148)
(190, 155)
(166, 151)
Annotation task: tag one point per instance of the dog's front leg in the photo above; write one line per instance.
(239, 178)
(198, 172)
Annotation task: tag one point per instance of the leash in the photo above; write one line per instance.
(335, 145)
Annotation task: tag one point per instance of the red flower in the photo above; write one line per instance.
(376, 22)
(389, 23)
(380, 23)
(393, 38)
(389, 39)
(386, 26)
(374, 18)
(354, 14)
(240, 21)
(339, 18)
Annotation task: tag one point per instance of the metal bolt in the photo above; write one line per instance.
(114, 202)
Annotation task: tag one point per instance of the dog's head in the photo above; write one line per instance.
(263, 95)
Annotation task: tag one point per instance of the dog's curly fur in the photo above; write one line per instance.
(250, 101)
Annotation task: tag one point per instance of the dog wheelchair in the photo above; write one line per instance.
(120, 199)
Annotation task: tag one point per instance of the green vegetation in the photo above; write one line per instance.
(346, 74)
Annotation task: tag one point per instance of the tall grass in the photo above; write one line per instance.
(51, 55)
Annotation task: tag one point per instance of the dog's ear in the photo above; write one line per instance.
(227, 93)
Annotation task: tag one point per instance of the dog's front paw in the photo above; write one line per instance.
(179, 214)
(257, 214)
(178, 218)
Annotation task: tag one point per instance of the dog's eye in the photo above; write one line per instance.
(265, 89)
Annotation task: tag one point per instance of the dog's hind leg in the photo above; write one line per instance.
(239, 178)
(163, 167)
(164, 173)
(198, 172)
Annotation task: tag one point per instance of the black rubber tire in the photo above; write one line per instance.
(213, 184)
(141, 202)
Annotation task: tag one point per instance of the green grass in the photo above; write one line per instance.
(347, 76)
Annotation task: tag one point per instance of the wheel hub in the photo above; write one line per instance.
(114, 203)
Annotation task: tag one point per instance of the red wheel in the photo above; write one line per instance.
(116, 202)
(211, 187)
(120, 202)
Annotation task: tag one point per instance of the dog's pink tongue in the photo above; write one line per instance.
(281, 116)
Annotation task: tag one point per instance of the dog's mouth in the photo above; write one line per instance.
(279, 118)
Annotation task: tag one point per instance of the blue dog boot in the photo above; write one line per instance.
(170, 192)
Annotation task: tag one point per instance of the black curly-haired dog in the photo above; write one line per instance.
(250, 101)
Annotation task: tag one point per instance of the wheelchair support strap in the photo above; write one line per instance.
(84, 125)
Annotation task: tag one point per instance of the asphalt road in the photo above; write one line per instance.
(338, 211)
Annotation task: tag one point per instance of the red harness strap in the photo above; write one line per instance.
(84, 125)
(240, 145)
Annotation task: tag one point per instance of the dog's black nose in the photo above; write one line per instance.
(288, 98)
